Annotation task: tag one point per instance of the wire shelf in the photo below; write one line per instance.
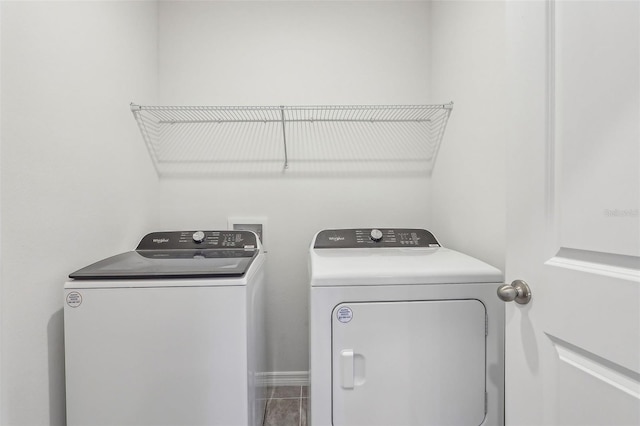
(310, 140)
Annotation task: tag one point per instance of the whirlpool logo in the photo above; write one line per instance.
(160, 240)
(336, 238)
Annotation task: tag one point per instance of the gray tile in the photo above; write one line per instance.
(303, 412)
(305, 391)
(268, 393)
(286, 392)
(263, 392)
(283, 412)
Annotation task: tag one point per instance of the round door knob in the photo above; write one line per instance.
(198, 237)
(517, 291)
(376, 235)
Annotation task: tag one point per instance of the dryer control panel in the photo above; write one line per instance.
(375, 237)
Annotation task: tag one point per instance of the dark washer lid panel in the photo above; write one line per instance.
(159, 255)
(375, 237)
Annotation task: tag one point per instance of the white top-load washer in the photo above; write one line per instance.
(403, 332)
(168, 334)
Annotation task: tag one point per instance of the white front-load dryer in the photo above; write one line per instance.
(403, 332)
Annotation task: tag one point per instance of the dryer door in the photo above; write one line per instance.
(409, 363)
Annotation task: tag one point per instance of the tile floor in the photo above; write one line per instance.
(287, 406)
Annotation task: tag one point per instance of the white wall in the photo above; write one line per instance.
(73, 177)
(292, 53)
(77, 184)
(467, 48)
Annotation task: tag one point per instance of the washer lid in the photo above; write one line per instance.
(183, 254)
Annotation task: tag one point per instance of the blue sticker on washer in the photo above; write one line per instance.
(74, 299)
(344, 314)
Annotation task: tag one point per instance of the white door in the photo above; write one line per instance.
(573, 353)
(409, 363)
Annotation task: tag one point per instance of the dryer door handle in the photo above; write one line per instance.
(347, 359)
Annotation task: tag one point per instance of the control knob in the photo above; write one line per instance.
(376, 235)
(198, 237)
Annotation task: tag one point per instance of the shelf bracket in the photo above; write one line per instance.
(284, 138)
(136, 110)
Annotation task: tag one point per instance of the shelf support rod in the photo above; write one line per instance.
(284, 138)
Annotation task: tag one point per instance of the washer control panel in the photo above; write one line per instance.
(177, 240)
(375, 237)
